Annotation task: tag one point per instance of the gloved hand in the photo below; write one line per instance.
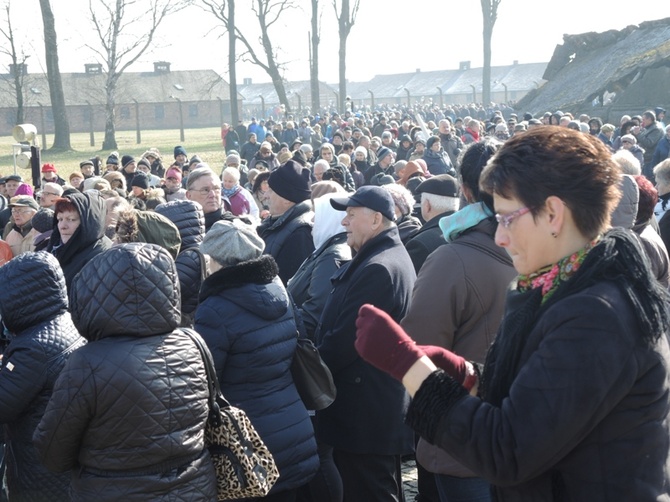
(455, 366)
(381, 342)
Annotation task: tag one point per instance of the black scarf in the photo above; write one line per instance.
(618, 257)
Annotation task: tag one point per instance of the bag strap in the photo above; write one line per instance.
(215, 400)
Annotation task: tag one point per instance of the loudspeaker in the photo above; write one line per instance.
(24, 132)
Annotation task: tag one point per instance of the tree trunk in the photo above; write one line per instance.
(273, 71)
(314, 67)
(486, 71)
(18, 84)
(342, 74)
(232, 68)
(109, 143)
(489, 17)
(61, 124)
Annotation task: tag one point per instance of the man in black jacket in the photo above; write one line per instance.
(365, 423)
(439, 198)
(288, 231)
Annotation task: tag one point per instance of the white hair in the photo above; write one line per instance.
(441, 203)
(232, 171)
(627, 162)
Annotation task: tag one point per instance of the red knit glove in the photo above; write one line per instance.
(381, 342)
(455, 366)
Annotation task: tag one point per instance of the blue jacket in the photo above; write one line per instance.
(245, 318)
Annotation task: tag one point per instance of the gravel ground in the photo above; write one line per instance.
(409, 480)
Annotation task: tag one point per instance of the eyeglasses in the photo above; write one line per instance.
(206, 191)
(16, 210)
(506, 219)
(50, 193)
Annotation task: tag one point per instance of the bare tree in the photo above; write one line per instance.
(268, 13)
(225, 12)
(346, 18)
(61, 123)
(315, 38)
(18, 59)
(123, 37)
(232, 66)
(490, 16)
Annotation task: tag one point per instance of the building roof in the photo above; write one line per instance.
(144, 87)
(591, 65)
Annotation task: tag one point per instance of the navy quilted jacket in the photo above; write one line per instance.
(33, 305)
(244, 317)
(129, 410)
(188, 217)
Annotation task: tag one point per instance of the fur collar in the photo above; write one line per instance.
(260, 271)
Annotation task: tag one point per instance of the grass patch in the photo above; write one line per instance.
(206, 143)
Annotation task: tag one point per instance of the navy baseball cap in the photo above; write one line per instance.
(372, 197)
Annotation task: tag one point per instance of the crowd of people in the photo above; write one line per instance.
(489, 292)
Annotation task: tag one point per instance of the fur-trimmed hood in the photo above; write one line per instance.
(253, 285)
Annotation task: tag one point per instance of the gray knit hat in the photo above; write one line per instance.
(232, 242)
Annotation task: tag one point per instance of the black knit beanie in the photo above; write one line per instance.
(291, 181)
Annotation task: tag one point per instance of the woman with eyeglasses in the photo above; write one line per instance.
(572, 401)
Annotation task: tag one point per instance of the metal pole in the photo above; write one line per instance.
(90, 124)
(181, 120)
(138, 132)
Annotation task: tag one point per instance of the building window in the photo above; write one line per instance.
(86, 114)
(50, 115)
(124, 112)
(159, 112)
(192, 110)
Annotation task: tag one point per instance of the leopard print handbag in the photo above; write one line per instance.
(244, 466)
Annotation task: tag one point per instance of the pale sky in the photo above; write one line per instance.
(390, 36)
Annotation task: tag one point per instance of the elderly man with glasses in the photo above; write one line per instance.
(49, 194)
(204, 187)
(18, 232)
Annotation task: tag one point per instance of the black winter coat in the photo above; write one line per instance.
(88, 240)
(367, 415)
(288, 238)
(586, 414)
(426, 240)
(33, 305)
(310, 286)
(128, 412)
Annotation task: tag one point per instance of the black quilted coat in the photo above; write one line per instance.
(188, 217)
(129, 411)
(33, 305)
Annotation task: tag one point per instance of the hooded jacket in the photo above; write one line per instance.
(246, 318)
(130, 409)
(87, 241)
(33, 306)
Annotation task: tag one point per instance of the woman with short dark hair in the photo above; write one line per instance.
(572, 401)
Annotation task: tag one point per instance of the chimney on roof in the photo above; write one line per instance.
(246, 81)
(18, 69)
(93, 69)
(161, 67)
(418, 70)
(464, 65)
(515, 62)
